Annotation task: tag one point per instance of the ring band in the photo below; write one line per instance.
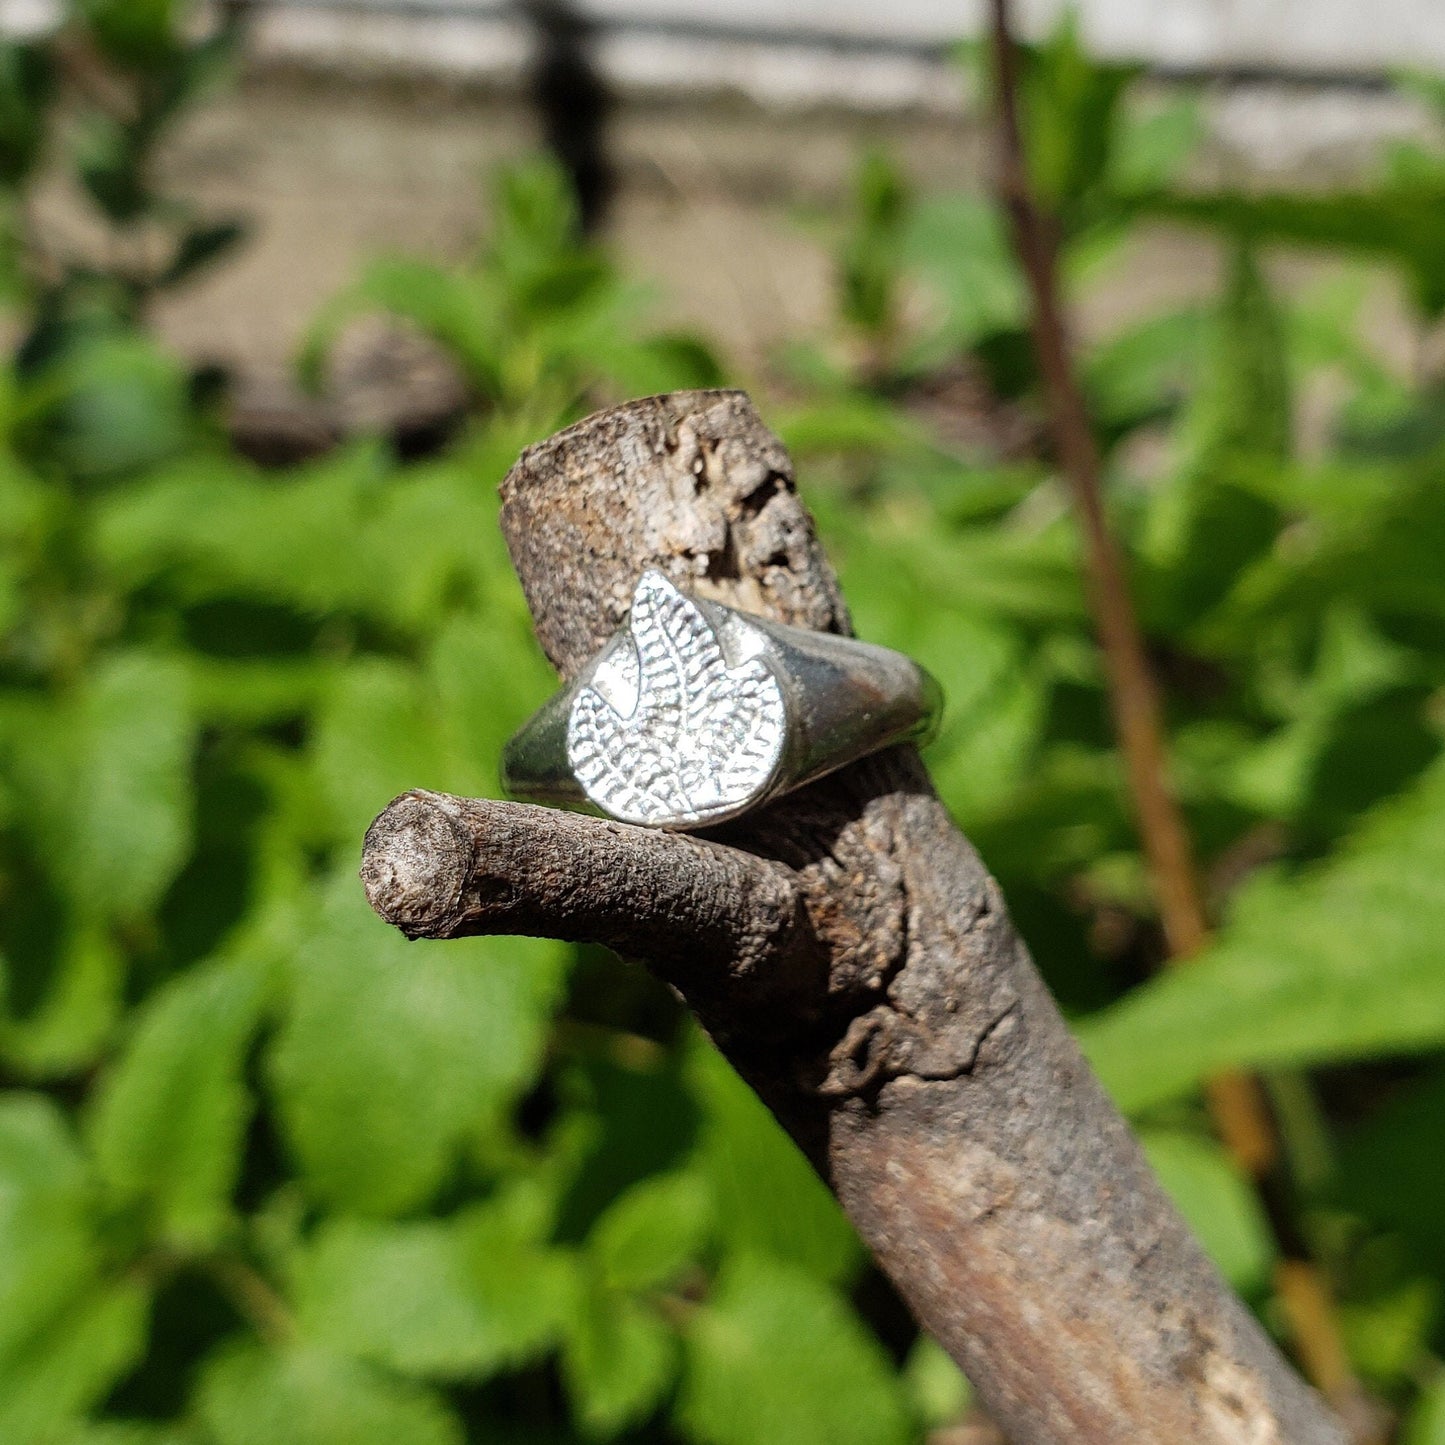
(694, 713)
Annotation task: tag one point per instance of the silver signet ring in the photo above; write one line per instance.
(694, 713)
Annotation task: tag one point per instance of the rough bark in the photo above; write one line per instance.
(849, 953)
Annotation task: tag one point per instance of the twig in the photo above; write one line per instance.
(849, 954)
(253, 1295)
(709, 917)
(1237, 1102)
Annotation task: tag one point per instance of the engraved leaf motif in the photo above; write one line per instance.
(702, 739)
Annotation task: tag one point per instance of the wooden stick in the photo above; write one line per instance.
(849, 953)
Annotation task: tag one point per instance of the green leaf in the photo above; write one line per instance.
(1242, 406)
(393, 1054)
(376, 737)
(1072, 105)
(959, 246)
(1401, 220)
(68, 1363)
(225, 532)
(1150, 149)
(1392, 1170)
(458, 1298)
(167, 1126)
(937, 1389)
(489, 676)
(648, 1236)
(868, 259)
(107, 1432)
(767, 1199)
(776, 1355)
(1142, 372)
(1388, 1334)
(1336, 963)
(80, 1000)
(47, 1249)
(132, 793)
(448, 307)
(135, 33)
(605, 1094)
(110, 163)
(535, 217)
(27, 82)
(106, 778)
(255, 1396)
(1427, 1422)
(1222, 1209)
(437, 526)
(618, 1359)
(254, 694)
(669, 361)
(66, 1332)
(121, 404)
(199, 247)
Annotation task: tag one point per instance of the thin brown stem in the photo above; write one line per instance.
(1236, 1101)
(253, 1296)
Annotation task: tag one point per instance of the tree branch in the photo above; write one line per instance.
(706, 917)
(849, 953)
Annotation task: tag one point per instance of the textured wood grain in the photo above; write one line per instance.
(848, 951)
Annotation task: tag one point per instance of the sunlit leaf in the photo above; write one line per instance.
(106, 776)
(776, 1354)
(392, 1054)
(455, 1298)
(768, 1199)
(1337, 963)
(167, 1124)
(618, 1358)
(1218, 1201)
(252, 1395)
(66, 1331)
(652, 1232)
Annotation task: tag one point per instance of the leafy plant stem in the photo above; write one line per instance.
(253, 1296)
(1236, 1101)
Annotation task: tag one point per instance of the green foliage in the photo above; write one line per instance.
(386, 1064)
(69, 1322)
(1291, 980)
(775, 1352)
(168, 1122)
(268, 1173)
(1218, 1202)
(149, 66)
(618, 1358)
(253, 1395)
(1399, 218)
(1242, 406)
(535, 315)
(448, 1299)
(27, 77)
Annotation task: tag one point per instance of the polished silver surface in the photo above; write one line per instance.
(694, 712)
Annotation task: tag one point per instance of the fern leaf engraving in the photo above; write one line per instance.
(672, 735)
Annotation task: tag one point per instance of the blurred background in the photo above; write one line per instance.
(285, 287)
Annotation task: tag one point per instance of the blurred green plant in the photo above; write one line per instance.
(269, 1174)
(124, 74)
(944, 263)
(535, 317)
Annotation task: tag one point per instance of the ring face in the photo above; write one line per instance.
(667, 732)
(694, 712)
